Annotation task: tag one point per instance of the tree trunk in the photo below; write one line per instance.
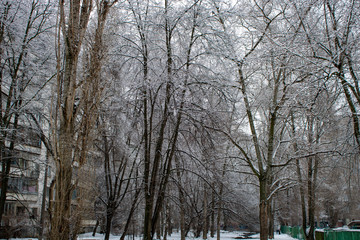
(205, 213)
(168, 219)
(132, 210)
(43, 202)
(312, 176)
(148, 217)
(263, 214)
(95, 228)
(212, 219)
(271, 219)
(109, 217)
(74, 33)
(71, 143)
(198, 228)
(158, 227)
(60, 225)
(5, 160)
(181, 200)
(219, 210)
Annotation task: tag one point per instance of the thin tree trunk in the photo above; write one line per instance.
(205, 213)
(311, 200)
(132, 210)
(212, 219)
(219, 211)
(168, 219)
(302, 195)
(5, 159)
(181, 200)
(43, 202)
(95, 228)
(299, 175)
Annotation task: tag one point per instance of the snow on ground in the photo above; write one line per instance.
(174, 236)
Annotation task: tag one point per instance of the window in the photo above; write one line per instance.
(14, 184)
(18, 163)
(34, 212)
(20, 211)
(47, 191)
(23, 185)
(35, 170)
(9, 209)
(30, 185)
(29, 136)
(74, 194)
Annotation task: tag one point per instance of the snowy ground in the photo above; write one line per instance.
(175, 236)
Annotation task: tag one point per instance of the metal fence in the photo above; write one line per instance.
(323, 234)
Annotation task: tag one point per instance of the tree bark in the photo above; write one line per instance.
(181, 200)
(219, 211)
(71, 146)
(205, 214)
(263, 214)
(212, 219)
(109, 216)
(271, 218)
(131, 213)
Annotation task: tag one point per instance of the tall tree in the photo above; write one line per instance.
(77, 102)
(163, 96)
(119, 169)
(262, 163)
(336, 46)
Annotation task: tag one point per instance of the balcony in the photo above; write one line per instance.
(23, 185)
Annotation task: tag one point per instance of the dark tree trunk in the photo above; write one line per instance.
(263, 214)
(131, 213)
(109, 217)
(181, 200)
(212, 219)
(271, 219)
(205, 214)
(4, 181)
(95, 228)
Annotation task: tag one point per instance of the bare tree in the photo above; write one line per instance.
(263, 162)
(119, 172)
(22, 26)
(335, 46)
(77, 103)
(161, 96)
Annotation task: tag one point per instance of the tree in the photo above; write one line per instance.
(22, 75)
(336, 46)
(316, 115)
(331, 46)
(76, 104)
(119, 170)
(276, 88)
(161, 96)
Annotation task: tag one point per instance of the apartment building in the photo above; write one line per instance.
(30, 178)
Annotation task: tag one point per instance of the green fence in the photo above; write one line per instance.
(326, 234)
(295, 232)
(341, 235)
